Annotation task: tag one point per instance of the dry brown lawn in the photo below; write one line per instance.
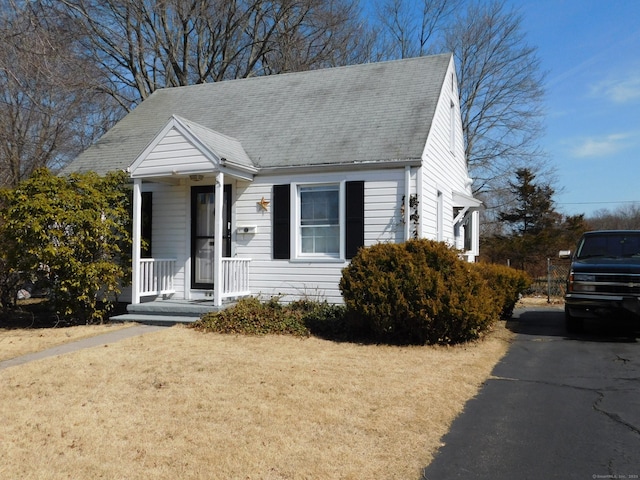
(180, 404)
(16, 342)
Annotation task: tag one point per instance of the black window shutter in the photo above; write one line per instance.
(280, 209)
(355, 218)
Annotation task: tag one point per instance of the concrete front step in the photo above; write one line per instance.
(168, 312)
(150, 319)
(176, 307)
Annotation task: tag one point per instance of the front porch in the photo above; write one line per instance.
(156, 279)
(192, 171)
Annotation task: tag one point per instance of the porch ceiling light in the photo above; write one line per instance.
(196, 177)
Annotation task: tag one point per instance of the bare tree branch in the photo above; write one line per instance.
(143, 45)
(499, 78)
(409, 29)
(501, 93)
(49, 113)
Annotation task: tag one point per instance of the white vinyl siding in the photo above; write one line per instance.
(175, 154)
(299, 276)
(444, 167)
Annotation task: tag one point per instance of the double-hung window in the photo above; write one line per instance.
(319, 223)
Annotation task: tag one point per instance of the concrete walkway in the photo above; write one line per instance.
(98, 340)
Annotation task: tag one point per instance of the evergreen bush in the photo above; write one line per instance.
(71, 234)
(506, 283)
(417, 292)
(322, 318)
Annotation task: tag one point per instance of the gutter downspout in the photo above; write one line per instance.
(407, 201)
(420, 195)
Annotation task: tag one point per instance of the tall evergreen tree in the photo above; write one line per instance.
(534, 211)
(529, 223)
(532, 229)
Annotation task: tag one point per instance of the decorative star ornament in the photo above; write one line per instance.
(264, 204)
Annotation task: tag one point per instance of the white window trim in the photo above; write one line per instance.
(296, 240)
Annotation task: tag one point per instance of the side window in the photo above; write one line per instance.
(319, 226)
(468, 233)
(452, 127)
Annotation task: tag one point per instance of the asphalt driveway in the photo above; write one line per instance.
(557, 406)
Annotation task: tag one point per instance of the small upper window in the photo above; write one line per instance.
(320, 219)
(452, 127)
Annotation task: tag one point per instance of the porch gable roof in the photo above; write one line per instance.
(183, 147)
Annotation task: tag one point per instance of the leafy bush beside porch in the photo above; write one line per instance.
(70, 236)
(251, 316)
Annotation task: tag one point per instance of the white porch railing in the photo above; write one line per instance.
(235, 277)
(156, 276)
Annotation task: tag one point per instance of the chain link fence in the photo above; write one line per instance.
(554, 283)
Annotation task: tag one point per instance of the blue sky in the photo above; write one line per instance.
(591, 51)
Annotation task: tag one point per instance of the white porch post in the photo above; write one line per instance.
(217, 245)
(136, 241)
(475, 232)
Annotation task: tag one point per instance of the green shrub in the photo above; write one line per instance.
(417, 292)
(506, 283)
(322, 318)
(70, 233)
(250, 316)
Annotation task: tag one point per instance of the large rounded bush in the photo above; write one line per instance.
(417, 292)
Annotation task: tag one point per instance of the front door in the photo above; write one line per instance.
(203, 233)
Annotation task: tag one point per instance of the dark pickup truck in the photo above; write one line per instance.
(604, 279)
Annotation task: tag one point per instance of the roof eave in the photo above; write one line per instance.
(342, 166)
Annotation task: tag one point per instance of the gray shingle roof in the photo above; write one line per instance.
(360, 113)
